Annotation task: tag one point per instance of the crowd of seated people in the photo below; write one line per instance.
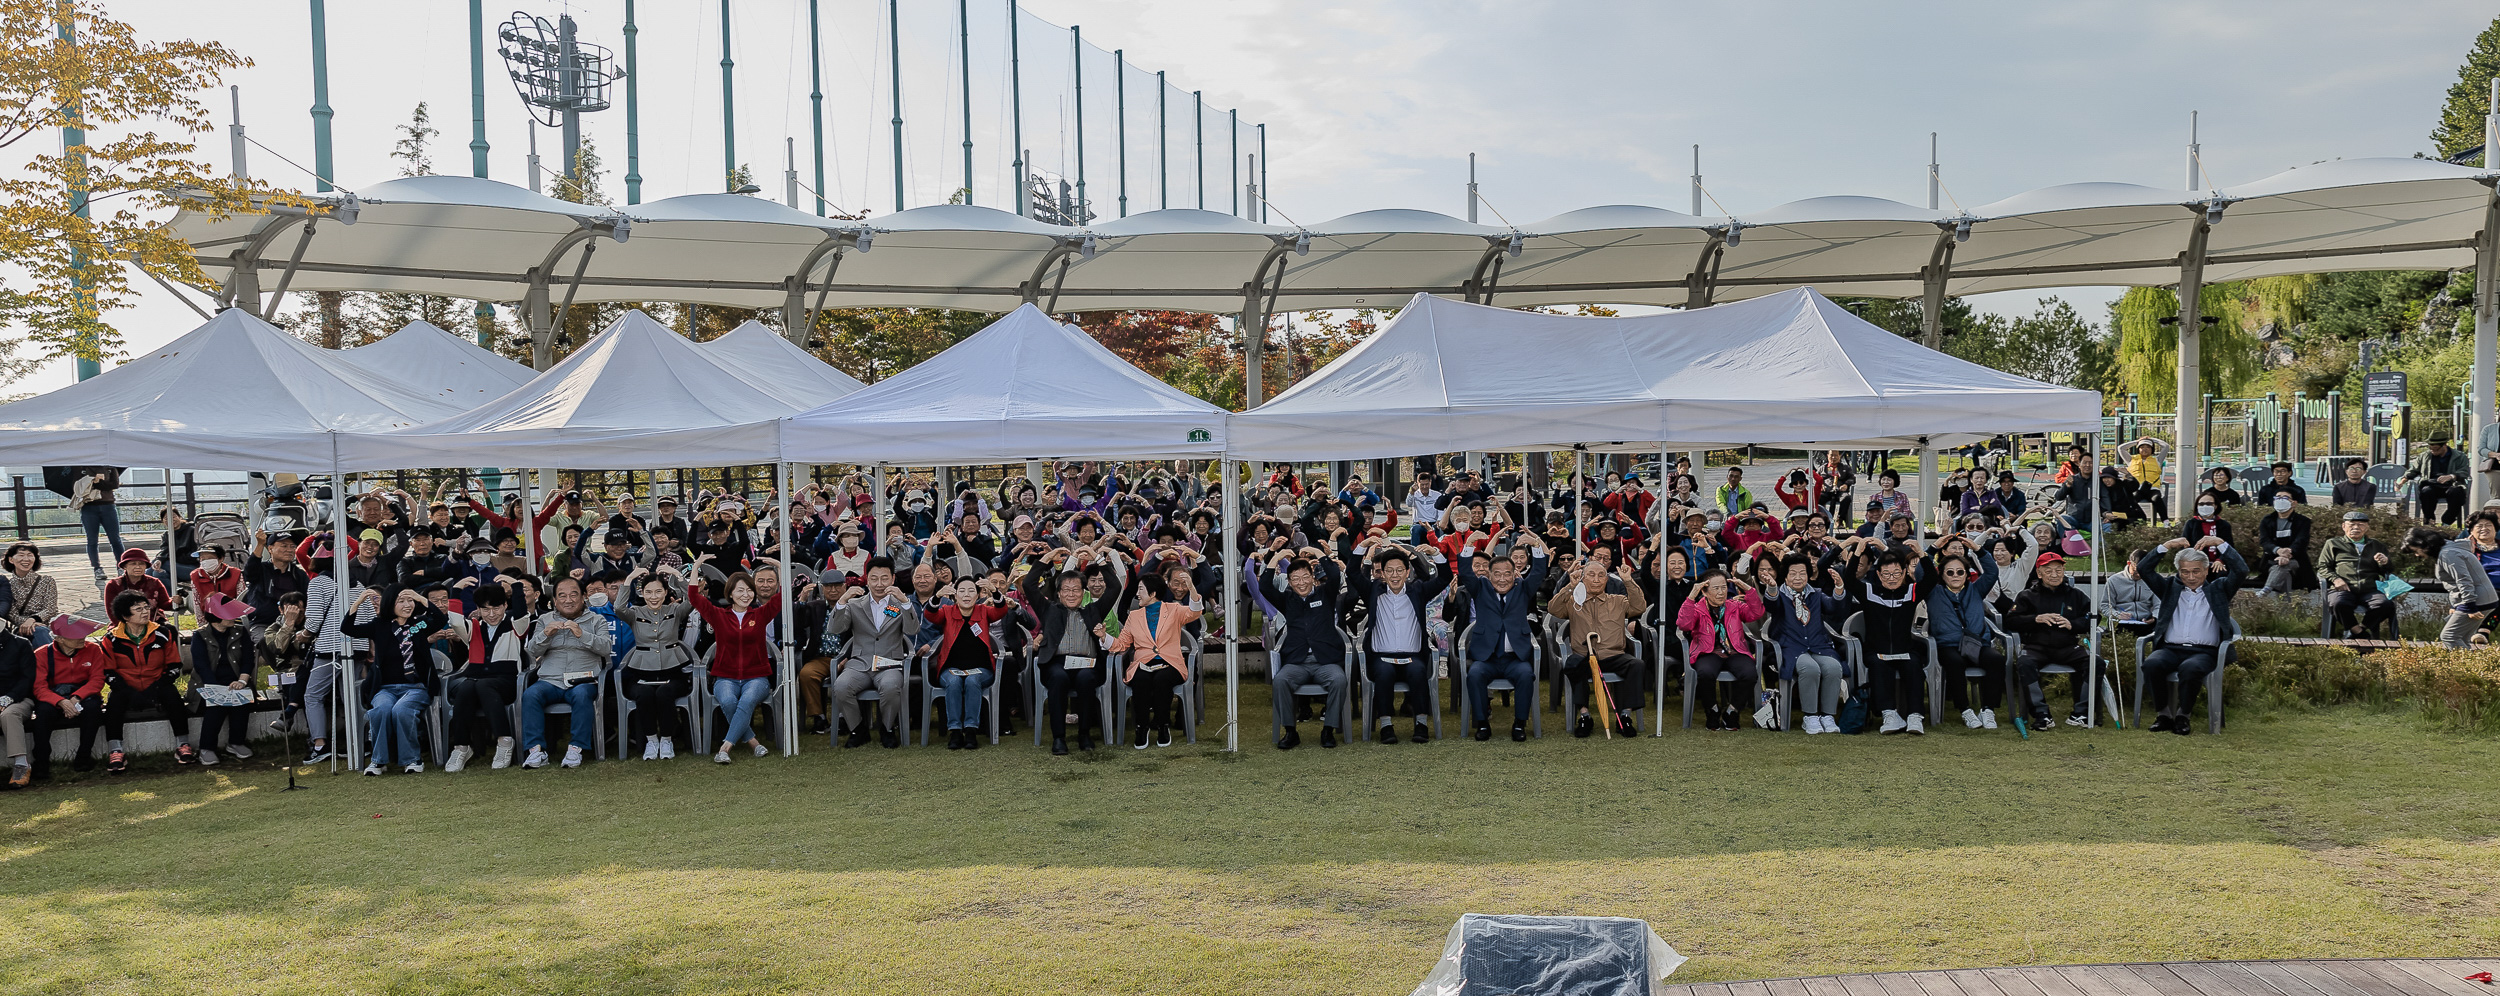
(976, 610)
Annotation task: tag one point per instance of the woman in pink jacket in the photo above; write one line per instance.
(1714, 634)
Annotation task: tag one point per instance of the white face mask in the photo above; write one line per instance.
(481, 558)
(598, 599)
(2282, 505)
(2204, 510)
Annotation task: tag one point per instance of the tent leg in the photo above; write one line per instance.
(1927, 485)
(1232, 610)
(787, 664)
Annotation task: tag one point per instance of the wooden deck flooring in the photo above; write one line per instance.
(2358, 977)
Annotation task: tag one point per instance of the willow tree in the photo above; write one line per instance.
(2148, 349)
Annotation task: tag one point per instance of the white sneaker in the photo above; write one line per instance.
(414, 768)
(759, 748)
(459, 759)
(1892, 723)
(238, 752)
(503, 753)
(1918, 725)
(1970, 719)
(1814, 725)
(651, 749)
(536, 759)
(1987, 719)
(668, 748)
(373, 771)
(720, 756)
(208, 759)
(572, 757)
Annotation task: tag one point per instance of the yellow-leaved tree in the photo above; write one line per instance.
(71, 222)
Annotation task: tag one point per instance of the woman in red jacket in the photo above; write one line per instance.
(140, 658)
(966, 664)
(742, 666)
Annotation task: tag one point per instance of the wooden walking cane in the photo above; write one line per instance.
(1598, 695)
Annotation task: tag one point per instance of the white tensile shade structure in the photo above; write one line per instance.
(426, 358)
(636, 395)
(234, 394)
(1791, 368)
(776, 364)
(1026, 388)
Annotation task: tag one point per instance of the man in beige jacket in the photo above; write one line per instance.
(1594, 611)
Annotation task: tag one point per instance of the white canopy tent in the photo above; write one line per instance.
(637, 395)
(1791, 368)
(425, 357)
(776, 364)
(233, 394)
(1025, 388)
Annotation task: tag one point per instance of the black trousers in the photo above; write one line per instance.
(2429, 494)
(1706, 671)
(1898, 685)
(1078, 691)
(121, 699)
(2189, 663)
(480, 711)
(2374, 607)
(655, 694)
(2027, 674)
(1386, 670)
(48, 717)
(1627, 693)
(1957, 688)
(229, 720)
(1153, 691)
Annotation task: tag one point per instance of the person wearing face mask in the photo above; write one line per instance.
(2207, 522)
(474, 572)
(2283, 548)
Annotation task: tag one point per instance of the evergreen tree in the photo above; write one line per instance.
(2461, 119)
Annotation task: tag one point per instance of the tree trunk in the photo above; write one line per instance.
(333, 330)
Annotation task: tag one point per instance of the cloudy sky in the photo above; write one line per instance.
(1567, 103)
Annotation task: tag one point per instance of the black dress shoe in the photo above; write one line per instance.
(1291, 739)
(1518, 732)
(83, 762)
(1006, 729)
(890, 738)
(1484, 731)
(954, 740)
(2179, 725)
(1084, 740)
(857, 738)
(820, 725)
(1423, 734)
(1059, 746)
(1327, 736)
(1624, 725)
(1583, 726)
(972, 740)
(1710, 718)
(1388, 733)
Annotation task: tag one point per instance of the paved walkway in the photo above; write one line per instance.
(2398, 977)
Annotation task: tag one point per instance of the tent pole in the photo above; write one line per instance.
(2486, 320)
(2092, 640)
(1232, 607)
(1576, 528)
(876, 509)
(789, 566)
(1927, 489)
(1659, 630)
(345, 680)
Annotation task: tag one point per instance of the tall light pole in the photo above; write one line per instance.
(1119, 107)
(633, 112)
(1076, 44)
(894, 38)
(816, 100)
(728, 107)
(1015, 105)
(963, 21)
(477, 80)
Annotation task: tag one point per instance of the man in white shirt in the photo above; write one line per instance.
(2194, 619)
(1396, 651)
(1423, 507)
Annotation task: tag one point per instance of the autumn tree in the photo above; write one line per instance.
(68, 220)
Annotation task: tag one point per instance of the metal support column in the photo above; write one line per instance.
(786, 660)
(728, 107)
(2189, 453)
(1232, 609)
(1015, 106)
(2486, 315)
(894, 41)
(815, 99)
(477, 85)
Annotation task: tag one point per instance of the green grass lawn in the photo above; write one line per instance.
(2343, 833)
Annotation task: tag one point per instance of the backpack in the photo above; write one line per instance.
(1854, 710)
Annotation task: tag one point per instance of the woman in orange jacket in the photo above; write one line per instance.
(1158, 632)
(140, 658)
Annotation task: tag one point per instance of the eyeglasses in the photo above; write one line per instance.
(1953, 573)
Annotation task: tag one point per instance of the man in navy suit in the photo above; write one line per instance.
(1500, 639)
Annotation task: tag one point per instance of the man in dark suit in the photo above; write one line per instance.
(2194, 619)
(1304, 591)
(1399, 648)
(1499, 641)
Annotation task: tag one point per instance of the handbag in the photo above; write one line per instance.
(1767, 715)
(1853, 710)
(2394, 587)
(2074, 545)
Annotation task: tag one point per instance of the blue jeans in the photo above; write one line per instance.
(393, 718)
(1480, 678)
(583, 698)
(738, 700)
(963, 698)
(106, 517)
